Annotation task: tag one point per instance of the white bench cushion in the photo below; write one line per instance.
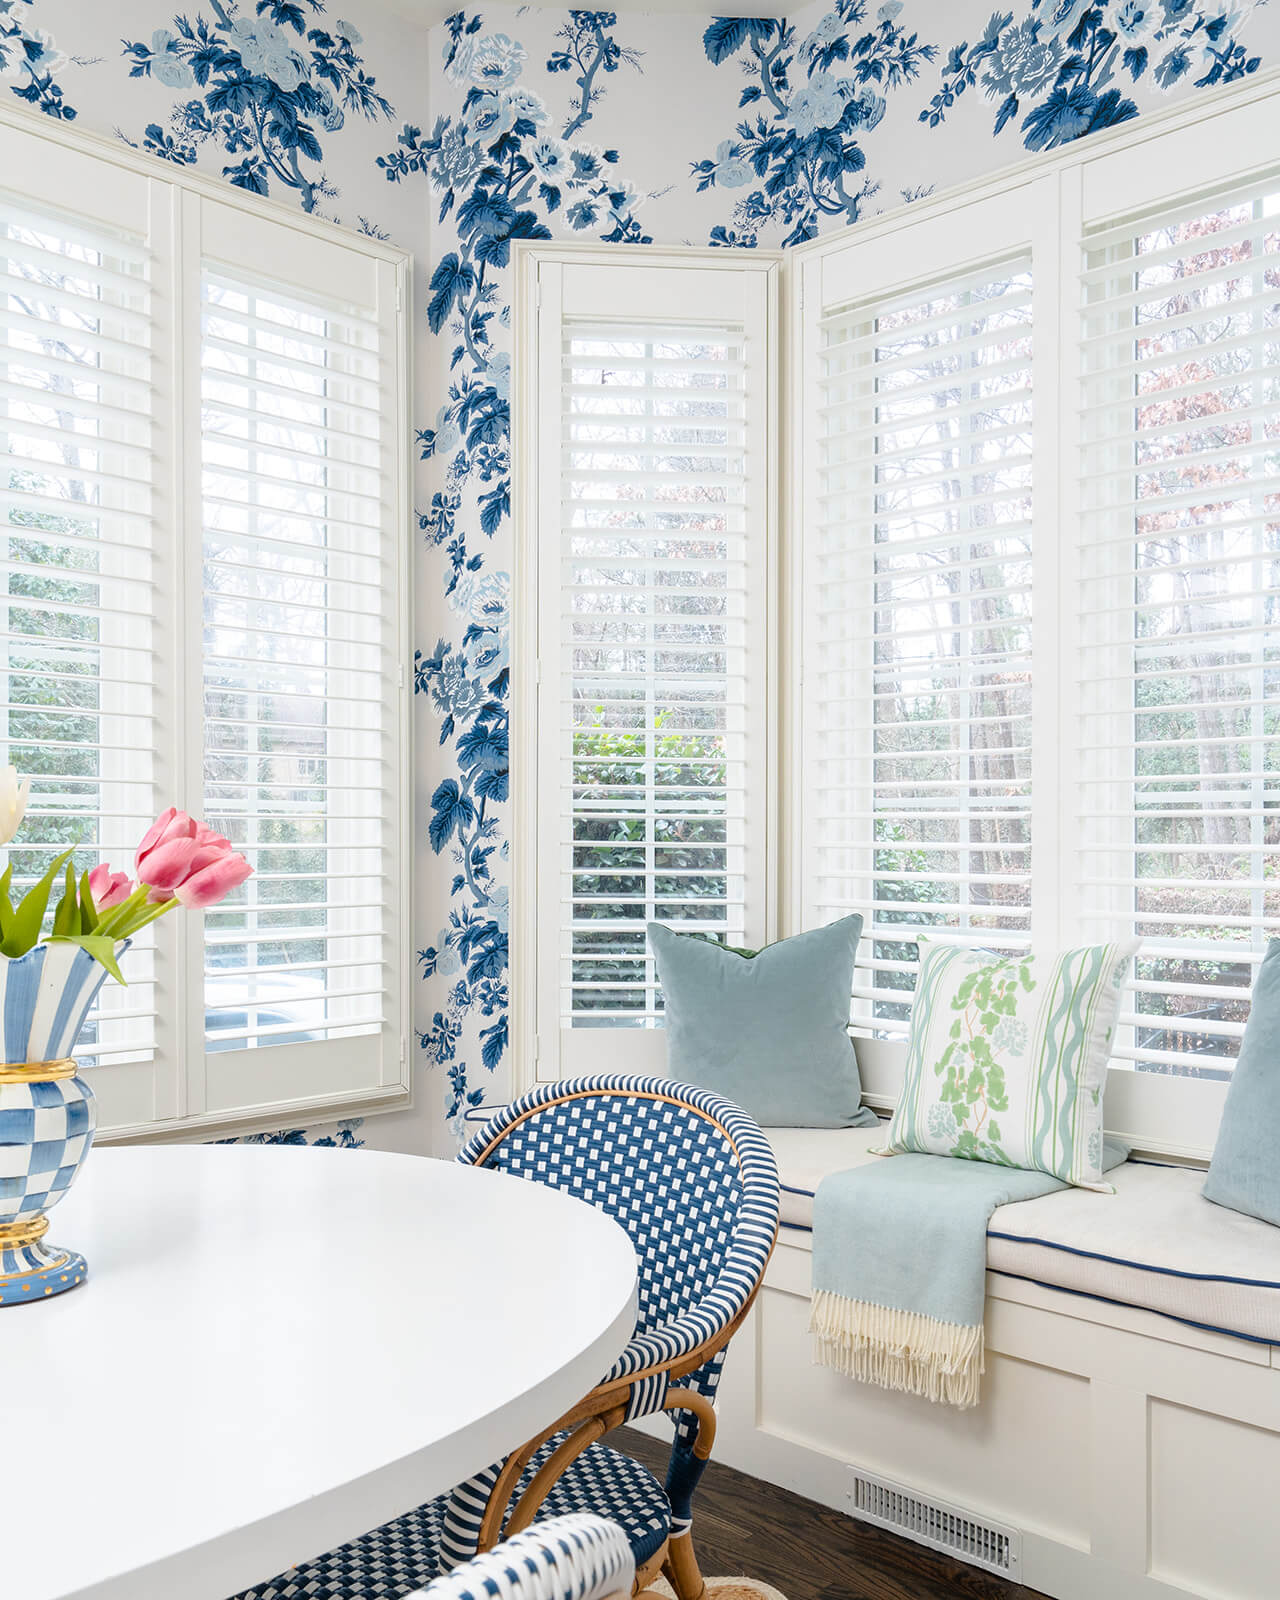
(1156, 1244)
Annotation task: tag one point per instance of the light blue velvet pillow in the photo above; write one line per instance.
(1245, 1171)
(769, 1030)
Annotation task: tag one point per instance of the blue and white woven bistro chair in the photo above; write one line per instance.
(568, 1558)
(693, 1181)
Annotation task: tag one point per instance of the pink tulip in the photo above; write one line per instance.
(168, 863)
(168, 826)
(209, 885)
(109, 888)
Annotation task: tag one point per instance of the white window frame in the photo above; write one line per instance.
(1188, 152)
(194, 221)
(535, 1024)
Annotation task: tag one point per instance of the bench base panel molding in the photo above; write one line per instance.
(1132, 1456)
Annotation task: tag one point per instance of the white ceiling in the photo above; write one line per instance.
(428, 12)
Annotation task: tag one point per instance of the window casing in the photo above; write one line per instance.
(647, 564)
(203, 495)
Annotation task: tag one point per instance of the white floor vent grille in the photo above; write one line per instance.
(935, 1523)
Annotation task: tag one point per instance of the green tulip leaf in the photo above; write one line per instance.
(66, 919)
(22, 928)
(88, 911)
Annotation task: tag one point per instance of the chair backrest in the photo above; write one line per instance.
(578, 1557)
(688, 1175)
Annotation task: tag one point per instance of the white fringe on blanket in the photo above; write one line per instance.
(943, 1361)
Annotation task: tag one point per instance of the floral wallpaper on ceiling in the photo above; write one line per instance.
(582, 125)
(808, 104)
(1063, 70)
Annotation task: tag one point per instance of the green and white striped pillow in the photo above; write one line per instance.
(1007, 1058)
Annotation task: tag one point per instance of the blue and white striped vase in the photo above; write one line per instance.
(47, 1113)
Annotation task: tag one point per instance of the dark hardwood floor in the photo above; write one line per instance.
(743, 1526)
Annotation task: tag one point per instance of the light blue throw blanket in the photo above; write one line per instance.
(900, 1268)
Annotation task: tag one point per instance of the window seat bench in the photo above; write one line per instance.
(1128, 1438)
(1157, 1244)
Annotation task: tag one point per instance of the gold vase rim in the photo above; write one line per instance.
(36, 1071)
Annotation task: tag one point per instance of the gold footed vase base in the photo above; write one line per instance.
(32, 1270)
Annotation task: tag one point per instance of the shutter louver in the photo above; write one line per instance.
(653, 669)
(1180, 635)
(77, 347)
(298, 660)
(918, 629)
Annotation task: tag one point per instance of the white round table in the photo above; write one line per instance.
(279, 1348)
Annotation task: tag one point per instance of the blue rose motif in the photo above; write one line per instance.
(491, 117)
(818, 104)
(828, 28)
(349, 32)
(498, 373)
(448, 961)
(732, 172)
(447, 435)
(528, 106)
(168, 69)
(497, 61)
(500, 908)
(267, 51)
(551, 159)
(1062, 16)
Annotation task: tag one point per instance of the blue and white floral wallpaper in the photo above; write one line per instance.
(516, 123)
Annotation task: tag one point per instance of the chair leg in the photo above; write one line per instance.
(681, 1568)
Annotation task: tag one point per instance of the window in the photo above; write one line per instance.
(918, 629)
(202, 501)
(1179, 579)
(649, 773)
(1038, 547)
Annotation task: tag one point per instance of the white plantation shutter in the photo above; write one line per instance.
(300, 663)
(1180, 635)
(654, 553)
(918, 627)
(78, 349)
(203, 510)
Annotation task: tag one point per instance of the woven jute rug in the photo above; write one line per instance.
(730, 1589)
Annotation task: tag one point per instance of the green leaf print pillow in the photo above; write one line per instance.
(1007, 1058)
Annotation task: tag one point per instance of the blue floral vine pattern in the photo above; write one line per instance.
(344, 1138)
(29, 54)
(814, 100)
(1068, 63)
(269, 88)
(500, 172)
